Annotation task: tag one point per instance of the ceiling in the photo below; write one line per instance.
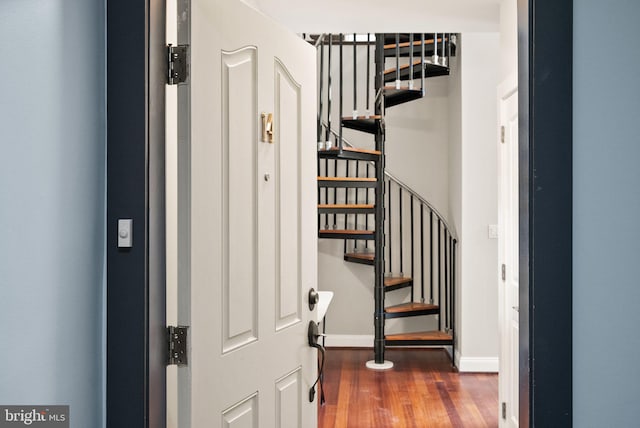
(312, 16)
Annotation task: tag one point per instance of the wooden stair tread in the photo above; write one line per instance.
(410, 307)
(401, 88)
(343, 206)
(360, 179)
(421, 335)
(362, 256)
(354, 150)
(405, 66)
(390, 281)
(415, 43)
(372, 117)
(346, 232)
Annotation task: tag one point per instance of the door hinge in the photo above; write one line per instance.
(177, 345)
(502, 134)
(504, 272)
(177, 64)
(504, 410)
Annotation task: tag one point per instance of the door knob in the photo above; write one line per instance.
(314, 298)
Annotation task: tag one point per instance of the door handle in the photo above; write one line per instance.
(516, 308)
(267, 127)
(313, 335)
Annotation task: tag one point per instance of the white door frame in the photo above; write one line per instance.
(505, 89)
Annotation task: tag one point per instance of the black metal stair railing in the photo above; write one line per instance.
(429, 242)
(419, 242)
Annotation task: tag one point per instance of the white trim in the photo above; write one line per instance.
(349, 340)
(478, 364)
(507, 87)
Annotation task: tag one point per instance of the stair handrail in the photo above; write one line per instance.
(404, 186)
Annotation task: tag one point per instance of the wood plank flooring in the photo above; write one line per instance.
(422, 390)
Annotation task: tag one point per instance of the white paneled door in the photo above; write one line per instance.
(246, 220)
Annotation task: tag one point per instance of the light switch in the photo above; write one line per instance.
(493, 231)
(125, 233)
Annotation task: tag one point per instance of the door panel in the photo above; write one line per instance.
(288, 128)
(243, 414)
(247, 245)
(240, 213)
(288, 396)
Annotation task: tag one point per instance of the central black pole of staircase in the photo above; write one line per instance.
(379, 208)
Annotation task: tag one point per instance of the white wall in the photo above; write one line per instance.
(52, 206)
(473, 158)
(606, 214)
(508, 39)
(417, 143)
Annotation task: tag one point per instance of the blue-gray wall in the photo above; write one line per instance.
(52, 205)
(606, 251)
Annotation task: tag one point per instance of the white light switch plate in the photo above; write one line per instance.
(125, 233)
(493, 231)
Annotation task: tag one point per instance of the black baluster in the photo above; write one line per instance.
(397, 61)
(446, 281)
(341, 97)
(366, 216)
(326, 192)
(329, 88)
(430, 256)
(357, 193)
(453, 304)
(319, 194)
(346, 201)
(355, 79)
(412, 259)
(335, 194)
(368, 88)
(422, 44)
(320, 94)
(390, 231)
(422, 253)
(450, 277)
(400, 220)
(410, 60)
(439, 272)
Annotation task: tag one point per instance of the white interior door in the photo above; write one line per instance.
(246, 238)
(508, 243)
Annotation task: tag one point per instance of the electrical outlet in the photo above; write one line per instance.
(493, 231)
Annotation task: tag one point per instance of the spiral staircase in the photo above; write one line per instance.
(382, 221)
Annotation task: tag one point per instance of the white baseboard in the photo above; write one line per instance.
(478, 364)
(349, 340)
(464, 364)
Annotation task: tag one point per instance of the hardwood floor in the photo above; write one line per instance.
(421, 390)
